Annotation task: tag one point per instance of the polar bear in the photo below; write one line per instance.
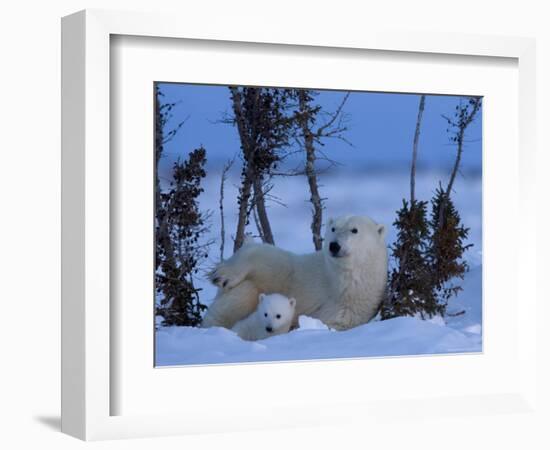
(343, 284)
(273, 316)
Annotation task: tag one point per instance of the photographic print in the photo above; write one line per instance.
(305, 224)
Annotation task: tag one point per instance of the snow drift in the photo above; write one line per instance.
(313, 340)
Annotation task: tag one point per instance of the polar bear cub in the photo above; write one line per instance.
(274, 315)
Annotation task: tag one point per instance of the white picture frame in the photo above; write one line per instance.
(87, 325)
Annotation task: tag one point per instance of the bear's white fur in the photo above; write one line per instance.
(273, 316)
(343, 287)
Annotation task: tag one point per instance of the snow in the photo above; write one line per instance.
(469, 301)
(313, 340)
(309, 323)
(349, 191)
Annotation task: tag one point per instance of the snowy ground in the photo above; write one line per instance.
(378, 195)
(396, 337)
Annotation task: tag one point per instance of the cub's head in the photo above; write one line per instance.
(275, 311)
(351, 237)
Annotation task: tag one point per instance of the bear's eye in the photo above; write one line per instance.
(333, 229)
(265, 314)
(278, 316)
(354, 230)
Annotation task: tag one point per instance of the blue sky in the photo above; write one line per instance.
(380, 127)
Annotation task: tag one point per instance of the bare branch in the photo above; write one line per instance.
(246, 186)
(465, 116)
(462, 125)
(259, 200)
(172, 133)
(333, 116)
(415, 144)
(258, 226)
(225, 169)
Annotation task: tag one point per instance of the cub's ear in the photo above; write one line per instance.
(292, 301)
(381, 230)
(261, 297)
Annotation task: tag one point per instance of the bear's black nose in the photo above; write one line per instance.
(334, 248)
(268, 329)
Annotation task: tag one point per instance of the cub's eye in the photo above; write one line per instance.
(333, 229)
(354, 230)
(265, 314)
(278, 316)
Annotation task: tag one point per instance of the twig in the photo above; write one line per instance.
(415, 144)
(226, 168)
(334, 116)
(459, 313)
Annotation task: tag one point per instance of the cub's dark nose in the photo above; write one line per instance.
(334, 248)
(268, 329)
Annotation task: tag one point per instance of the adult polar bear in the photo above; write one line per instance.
(342, 285)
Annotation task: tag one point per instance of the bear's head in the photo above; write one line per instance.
(353, 238)
(276, 312)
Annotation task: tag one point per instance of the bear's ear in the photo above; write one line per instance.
(381, 230)
(261, 298)
(292, 301)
